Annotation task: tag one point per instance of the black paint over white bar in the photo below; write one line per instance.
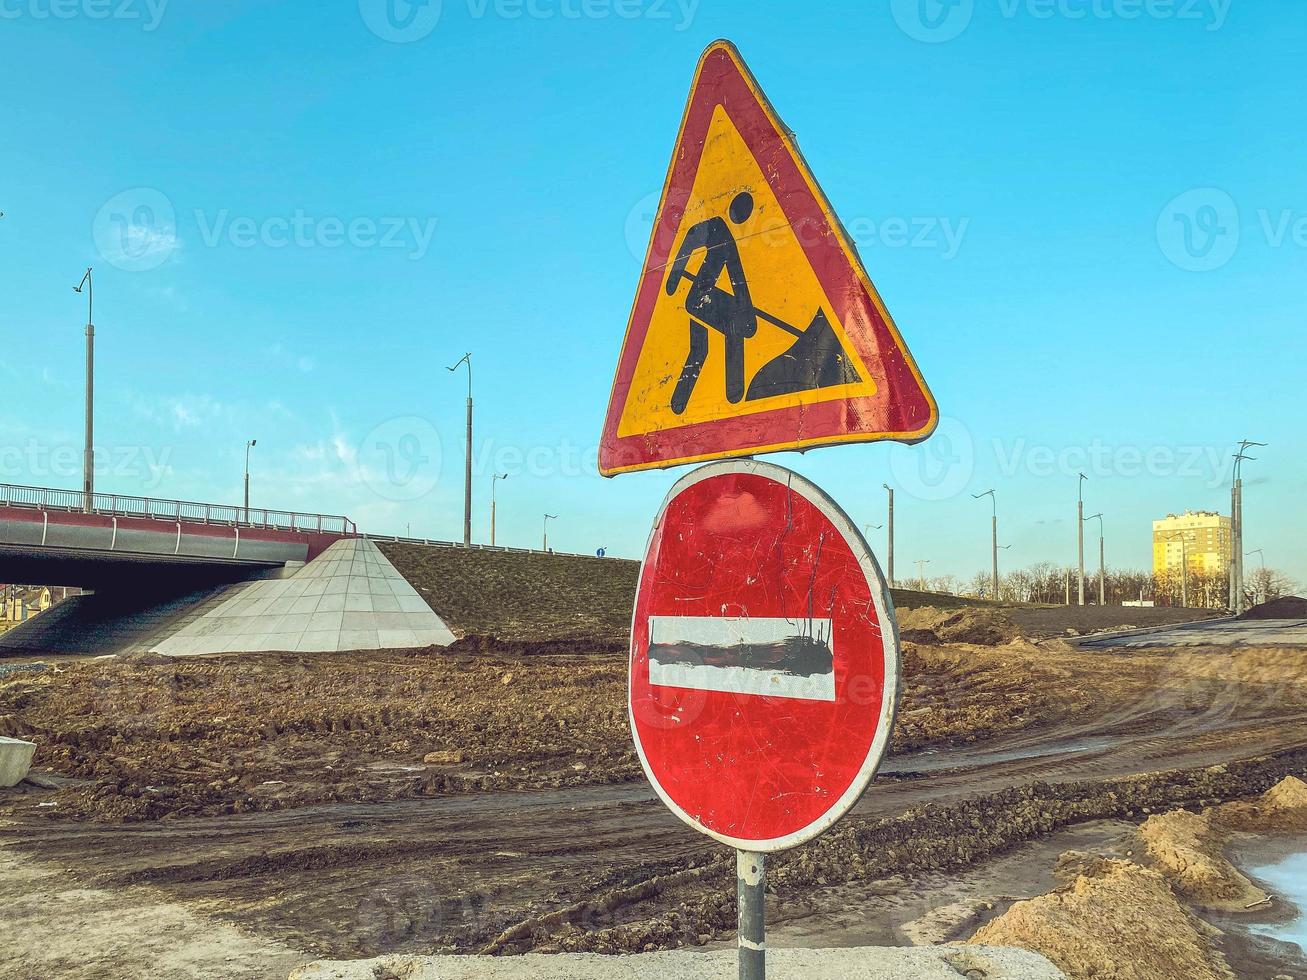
(763, 656)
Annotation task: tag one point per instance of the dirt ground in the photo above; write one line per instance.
(150, 737)
(352, 805)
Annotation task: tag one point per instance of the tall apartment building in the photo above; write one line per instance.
(1207, 542)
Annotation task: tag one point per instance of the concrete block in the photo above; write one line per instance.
(358, 603)
(359, 621)
(413, 603)
(332, 603)
(240, 626)
(15, 760)
(296, 623)
(306, 604)
(359, 640)
(384, 602)
(320, 621)
(326, 641)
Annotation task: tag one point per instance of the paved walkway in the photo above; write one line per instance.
(865, 963)
(1236, 633)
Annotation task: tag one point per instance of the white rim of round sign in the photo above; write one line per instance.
(880, 596)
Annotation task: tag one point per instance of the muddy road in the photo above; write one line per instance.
(598, 863)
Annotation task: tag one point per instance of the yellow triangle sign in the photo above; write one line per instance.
(755, 327)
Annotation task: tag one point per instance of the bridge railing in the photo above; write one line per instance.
(119, 505)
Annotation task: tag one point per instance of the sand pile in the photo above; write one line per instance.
(1286, 607)
(979, 625)
(1189, 849)
(1117, 920)
(1283, 807)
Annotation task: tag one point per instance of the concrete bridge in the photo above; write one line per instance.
(66, 537)
(186, 578)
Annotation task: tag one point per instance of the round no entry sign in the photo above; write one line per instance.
(764, 657)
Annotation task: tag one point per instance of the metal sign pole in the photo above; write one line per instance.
(752, 921)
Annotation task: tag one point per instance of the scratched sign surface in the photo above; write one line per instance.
(764, 657)
(755, 326)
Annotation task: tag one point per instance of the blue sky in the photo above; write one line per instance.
(1087, 216)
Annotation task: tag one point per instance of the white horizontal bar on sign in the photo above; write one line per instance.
(758, 656)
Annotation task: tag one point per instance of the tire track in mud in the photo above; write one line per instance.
(606, 867)
(461, 872)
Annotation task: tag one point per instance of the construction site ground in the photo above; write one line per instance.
(275, 809)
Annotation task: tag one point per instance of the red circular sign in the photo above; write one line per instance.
(764, 657)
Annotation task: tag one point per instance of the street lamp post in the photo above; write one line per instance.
(993, 499)
(544, 543)
(1261, 584)
(1184, 566)
(1236, 525)
(921, 572)
(494, 478)
(467, 465)
(890, 532)
(1102, 568)
(248, 446)
(88, 458)
(1080, 533)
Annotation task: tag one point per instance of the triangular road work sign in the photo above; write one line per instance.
(755, 327)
